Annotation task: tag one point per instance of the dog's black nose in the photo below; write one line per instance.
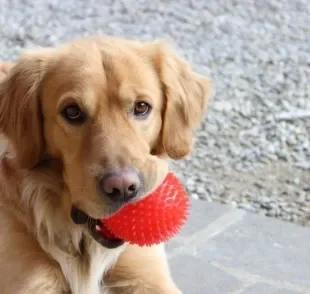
(121, 184)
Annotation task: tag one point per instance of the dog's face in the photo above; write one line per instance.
(109, 110)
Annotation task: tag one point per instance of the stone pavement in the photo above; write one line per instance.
(224, 250)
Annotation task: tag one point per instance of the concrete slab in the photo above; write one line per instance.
(266, 289)
(207, 277)
(237, 252)
(200, 215)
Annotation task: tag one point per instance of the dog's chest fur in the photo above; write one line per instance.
(82, 260)
(84, 272)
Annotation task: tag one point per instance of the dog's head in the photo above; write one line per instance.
(110, 110)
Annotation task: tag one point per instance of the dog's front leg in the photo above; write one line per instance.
(141, 270)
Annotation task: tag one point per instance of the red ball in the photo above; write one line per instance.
(154, 219)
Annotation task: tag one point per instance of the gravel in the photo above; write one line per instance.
(253, 149)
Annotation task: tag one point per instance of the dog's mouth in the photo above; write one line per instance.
(96, 228)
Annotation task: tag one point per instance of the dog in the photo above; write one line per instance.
(87, 127)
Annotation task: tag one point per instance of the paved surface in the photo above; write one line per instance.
(224, 250)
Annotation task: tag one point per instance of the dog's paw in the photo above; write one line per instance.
(142, 290)
(168, 291)
(177, 291)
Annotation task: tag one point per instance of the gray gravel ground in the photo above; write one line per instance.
(253, 149)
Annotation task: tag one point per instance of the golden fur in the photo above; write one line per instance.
(47, 165)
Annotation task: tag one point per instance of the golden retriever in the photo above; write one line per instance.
(89, 126)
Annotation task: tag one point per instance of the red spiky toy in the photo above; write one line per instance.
(154, 219)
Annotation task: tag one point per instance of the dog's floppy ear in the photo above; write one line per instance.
(20, 119)
(185, 94)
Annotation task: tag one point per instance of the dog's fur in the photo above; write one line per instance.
(47, 165)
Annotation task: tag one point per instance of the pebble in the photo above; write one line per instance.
(248, 207)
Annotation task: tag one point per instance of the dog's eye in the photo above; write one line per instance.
(142, 109)
(73, 114)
